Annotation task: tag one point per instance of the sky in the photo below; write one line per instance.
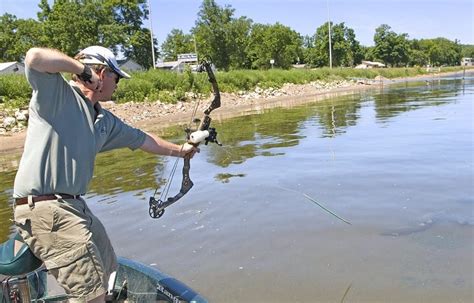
(420, 19)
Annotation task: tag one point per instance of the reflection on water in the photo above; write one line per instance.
(396, 162)
(225, 178)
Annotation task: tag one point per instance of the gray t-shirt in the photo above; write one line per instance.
(65, 133)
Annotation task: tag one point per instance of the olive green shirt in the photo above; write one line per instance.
(64, 135)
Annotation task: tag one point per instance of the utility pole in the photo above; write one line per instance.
(195, 48)
(330, 42)
(151, 36)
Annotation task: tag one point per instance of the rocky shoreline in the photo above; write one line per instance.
(153, 116)
(15, 120)
(136, 114)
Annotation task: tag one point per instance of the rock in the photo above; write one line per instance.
(3, 131)
(21, 115)
(108, 104)
(9, 122)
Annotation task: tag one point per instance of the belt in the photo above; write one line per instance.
(22, 201)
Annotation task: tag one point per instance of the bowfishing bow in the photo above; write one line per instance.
(204, 133)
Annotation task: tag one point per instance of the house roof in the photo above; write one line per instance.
(6, 65)
(169, 64)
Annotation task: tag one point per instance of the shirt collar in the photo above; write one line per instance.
(97, 107)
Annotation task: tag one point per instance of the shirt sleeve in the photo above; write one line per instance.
(122, 135)
(50, 91)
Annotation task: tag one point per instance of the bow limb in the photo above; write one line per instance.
(157, 207)
(216, 102)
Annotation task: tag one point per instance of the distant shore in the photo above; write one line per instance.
(156, 116)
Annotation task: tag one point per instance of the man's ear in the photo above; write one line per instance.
(101, 74)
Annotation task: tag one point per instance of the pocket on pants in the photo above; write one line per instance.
(41, 217)
(35, 227)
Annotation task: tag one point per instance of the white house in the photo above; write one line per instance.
(12, 68)
(179, 65)
(467, 62)
(370, 64)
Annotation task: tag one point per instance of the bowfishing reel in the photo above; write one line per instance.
(156, 210)
(206, 136)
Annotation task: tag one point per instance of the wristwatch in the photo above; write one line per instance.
(86, 74)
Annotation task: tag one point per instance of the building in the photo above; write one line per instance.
(184, 60)
(467, 62)
(12, 68)
(370, 64)
(130, 65)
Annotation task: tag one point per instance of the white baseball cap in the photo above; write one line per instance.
(104, 56)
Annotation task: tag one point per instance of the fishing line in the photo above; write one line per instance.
(317, 203)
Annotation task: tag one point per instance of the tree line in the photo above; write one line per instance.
(230, 42)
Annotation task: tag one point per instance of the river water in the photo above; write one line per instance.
(397, 163)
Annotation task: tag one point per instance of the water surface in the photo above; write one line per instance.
(397, 163)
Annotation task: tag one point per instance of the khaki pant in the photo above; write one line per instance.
(72, 243)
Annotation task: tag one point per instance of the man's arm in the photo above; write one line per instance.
(52, 61)
(156, 145)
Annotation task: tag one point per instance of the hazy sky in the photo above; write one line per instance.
(452, 19)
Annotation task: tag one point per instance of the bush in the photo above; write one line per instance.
(14, 91)
(168, 86)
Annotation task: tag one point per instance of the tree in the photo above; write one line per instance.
(17, 36)
(239, 40)
(70, 33)
(346, 50)
(444, 52)
(277, 42)
(130, 15)
(467, 51)
(436, 52)
(73, 25)
(177, 43)
(391, 48)
(140, 49)
(211, 33)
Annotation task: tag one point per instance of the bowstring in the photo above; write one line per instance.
(164, 193)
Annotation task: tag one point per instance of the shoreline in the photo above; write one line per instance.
(156, 116)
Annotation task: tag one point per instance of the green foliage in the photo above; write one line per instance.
(165, 86)
(230, 43)
(170, 87)
(445, 52)
(346, 50)
(73, 25)
(14, 91)
(239, 31)
(17, 36)
(277, 42)
(176, 43)
(392, 48)
(211, 33)
(467, 51)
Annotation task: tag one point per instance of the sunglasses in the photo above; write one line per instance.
(117, 77)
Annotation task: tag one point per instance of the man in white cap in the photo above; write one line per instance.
(67, 128)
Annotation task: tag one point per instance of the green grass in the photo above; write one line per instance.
(170, 87)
